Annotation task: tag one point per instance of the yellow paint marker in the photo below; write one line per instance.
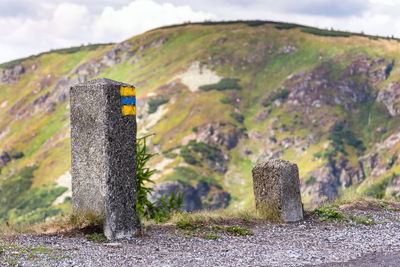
(128, 91)
(128, 110)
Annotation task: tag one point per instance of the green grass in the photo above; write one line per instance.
(96, 237)
(365, 220)
(386, 206)
(377, 189)
(185, 225)
(327, 213)
(210, 236)
(238, 230)
(20, 203)
(210, 231)
(13, 254)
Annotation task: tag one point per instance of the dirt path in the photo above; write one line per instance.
(301, 244)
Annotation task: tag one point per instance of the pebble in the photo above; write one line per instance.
(113, 245)
(327, 244)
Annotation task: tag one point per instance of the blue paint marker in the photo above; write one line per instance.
(128, 100)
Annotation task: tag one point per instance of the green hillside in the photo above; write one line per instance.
(219, 97)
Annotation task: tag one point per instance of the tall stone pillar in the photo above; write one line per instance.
(103, 139)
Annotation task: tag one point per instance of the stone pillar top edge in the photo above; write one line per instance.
(102, 81)
(275, 163)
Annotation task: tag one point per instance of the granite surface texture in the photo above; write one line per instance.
(276, 187)
(103, 157)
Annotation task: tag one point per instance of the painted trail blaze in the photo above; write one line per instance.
(128, 100)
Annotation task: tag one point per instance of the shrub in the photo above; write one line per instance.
(17, 155)
(145, 208)
(391, 161)
(207, 151)
(187, 156)
(339, 136)
(389, 69)
(286, 26)
(143, 176)
(328, 154)
(237, 116)
(170, 155)
(282, 94)
(226, 100)
(193, 153)
(310, 180)
(224, 84)
(255, 23)
(155, 103)
(330, 33)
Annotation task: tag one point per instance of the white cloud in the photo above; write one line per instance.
(370, 16)
(142, 15)
(33, 26)
(68, 24)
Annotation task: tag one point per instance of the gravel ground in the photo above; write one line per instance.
(306, 243)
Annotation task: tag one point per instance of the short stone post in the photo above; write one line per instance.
(276, 187)
(103, 139)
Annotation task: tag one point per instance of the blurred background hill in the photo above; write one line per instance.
(219, 97)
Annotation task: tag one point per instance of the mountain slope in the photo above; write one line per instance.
(218, 98)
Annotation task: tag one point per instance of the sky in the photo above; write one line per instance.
(32, 26)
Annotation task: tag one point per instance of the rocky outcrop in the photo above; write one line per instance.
(287, 49)
(154, 43)
(5, 158)
(262, 115)
(218, 134)
(390, 97)
(88, 69)
(323, 184)
(201, 196)
(212, 196)
(270, 154)
(11, 75)
(190, 197)
(374, 69)
(113, 56)
(312, 90)
(326, 86)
